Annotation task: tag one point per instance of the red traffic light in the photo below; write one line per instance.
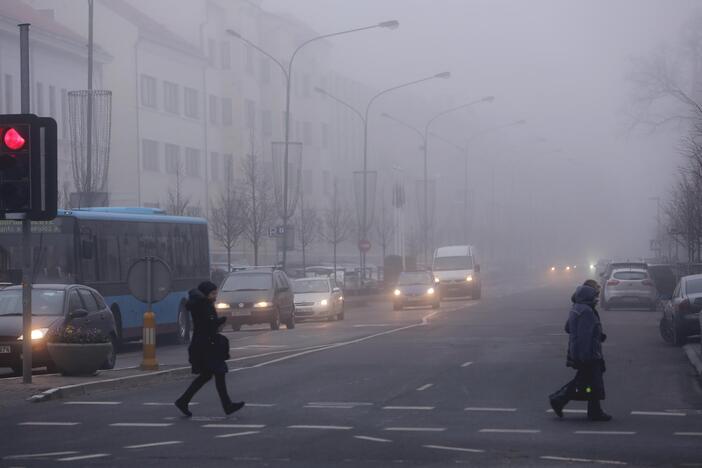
(13, 140)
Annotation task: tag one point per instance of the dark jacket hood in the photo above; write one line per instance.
(585, 295)
(195, 298)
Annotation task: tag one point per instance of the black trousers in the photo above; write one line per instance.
(202, 379)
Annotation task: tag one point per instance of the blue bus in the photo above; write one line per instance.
(96, 247)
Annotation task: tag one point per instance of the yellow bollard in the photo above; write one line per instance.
(149, 342)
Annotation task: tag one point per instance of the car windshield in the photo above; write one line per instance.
(310, 286)
(248, 282)
(693, 286)
(44, 302)
(419, 277)
(461, 262)
(630, 275)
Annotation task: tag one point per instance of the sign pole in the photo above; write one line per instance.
(26, 224)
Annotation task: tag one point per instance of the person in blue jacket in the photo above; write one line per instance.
(584, 354)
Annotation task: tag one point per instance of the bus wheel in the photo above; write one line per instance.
(118, 324)
(183, 333)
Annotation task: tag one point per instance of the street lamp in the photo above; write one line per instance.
(287, 72)
(364, 117)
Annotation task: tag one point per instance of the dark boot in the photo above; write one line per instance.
(557, 405)
(595, 412)
(182, 402)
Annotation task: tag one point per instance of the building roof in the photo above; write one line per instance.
(150, 28)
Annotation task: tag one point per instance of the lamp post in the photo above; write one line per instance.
(364, 209)
(287, 72)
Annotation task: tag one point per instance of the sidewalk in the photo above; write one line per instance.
(694, 354)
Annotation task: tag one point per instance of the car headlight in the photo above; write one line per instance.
(430, 291)
(37, 334)
(341, 298)
(592, 267)
(567, 268)
(553, 268)
(262, 304)
(397, 292)
(436, 280)
(221, 305)
(469, 278)
(323, 302)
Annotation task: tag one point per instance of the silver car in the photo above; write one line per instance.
(629, 286)
(317, 298)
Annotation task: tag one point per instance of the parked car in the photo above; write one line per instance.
(318, 298)
(606, 273)
(681, 313)
(665, 278)
(416, 288)
(629, 286)
(53, 306)
(258, 295)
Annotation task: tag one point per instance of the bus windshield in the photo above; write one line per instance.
(453, 263)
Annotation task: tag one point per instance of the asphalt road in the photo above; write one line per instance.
(465, 385)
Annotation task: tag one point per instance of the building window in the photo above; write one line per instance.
(214, 165)
(211, 52)
(213, 109)
(172, 154)
(307, 133)
(192, 107)
(149, 155)
(39, 99)
(148, 91)
(325, 135)
(265, 70)
(250, 109)
(266, 123)
(64, 113)
(249, 52)
(52, 102)
(171, 94)
(192, 162)
(8, 94)
(225, 55)
(227, 111)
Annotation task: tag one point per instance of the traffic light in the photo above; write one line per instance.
(28, 172)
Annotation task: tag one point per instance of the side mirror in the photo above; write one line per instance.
(477, 268)
(78, 313)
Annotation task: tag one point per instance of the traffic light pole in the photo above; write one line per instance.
(26, 225)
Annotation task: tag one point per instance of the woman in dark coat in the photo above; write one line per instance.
(585, 355)
(208, 349)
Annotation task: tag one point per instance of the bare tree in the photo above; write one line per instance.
(309, 228)
(338, 223)
(258, 204)
(177, 202)
(385, 227)
(227, 214)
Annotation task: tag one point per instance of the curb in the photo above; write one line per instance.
(694, 356)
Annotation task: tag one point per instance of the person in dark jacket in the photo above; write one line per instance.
(208, 350)
(584, 354)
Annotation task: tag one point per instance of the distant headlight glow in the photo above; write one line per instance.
(397, 292)
(323, 302)
(553, 268)
(262, 304)
(221, 305)
(469, 278)
(37, 334)
(430, 291)
(436, 280)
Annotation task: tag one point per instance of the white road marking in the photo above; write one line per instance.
(236, 434)
(141, 424)
(154, 444)
(695, 434)
(583, 460)
(511, 431)
(425, 387)
(572, 411)
(364, 325)
(656, 413)
(409, 408)
(106, 403)
(47, 423)
(330, 406)
(466, 364)
(38, 455)
(339, 403)
(505, 410)
(606, 432)
(372, 439)
(260, 405)
(330, 428)
(84, 457)
(415, 429)
(158, 403)
(234, 426)
(454, 449)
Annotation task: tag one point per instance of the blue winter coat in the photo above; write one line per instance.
(584, 329)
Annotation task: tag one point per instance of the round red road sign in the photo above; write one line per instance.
(364, 245)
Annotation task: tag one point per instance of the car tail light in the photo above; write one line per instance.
(612, 282)
(647, 283)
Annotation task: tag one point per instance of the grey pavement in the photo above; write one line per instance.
(466, 385)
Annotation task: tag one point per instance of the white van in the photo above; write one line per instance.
(457, 271)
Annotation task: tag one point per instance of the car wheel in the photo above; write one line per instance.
(341, 314)
(183, 333)
(290, 324)
(111, 359)
(236, 326)
(275, 320)
(665, 330)
(679, 337)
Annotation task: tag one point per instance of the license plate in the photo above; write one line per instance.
(241, 313)
(5, 350)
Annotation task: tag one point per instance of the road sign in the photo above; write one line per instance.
(149, 279)
(364, 245)
(271, 232)
(280, 230)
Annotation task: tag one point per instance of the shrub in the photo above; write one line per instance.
(77, 335)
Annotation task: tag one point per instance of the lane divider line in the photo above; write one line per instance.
(454, 449)
(84, 457)
(236, 434)
(582, 460)
(372, 439)
(326, 428)
(106, 403)
(234, 426)
(415, 429)
(38, 455)
(409, 408)
(656, 413)
(572, 411)
(154, 444)
(605, 432)
(47, 423)
(505, 410)
(425, 387)
(511, 431)
(466, 364)
(141, 424)
(694, 434)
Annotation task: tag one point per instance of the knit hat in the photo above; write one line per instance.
(206, 287)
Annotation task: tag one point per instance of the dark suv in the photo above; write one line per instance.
(254, 296)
